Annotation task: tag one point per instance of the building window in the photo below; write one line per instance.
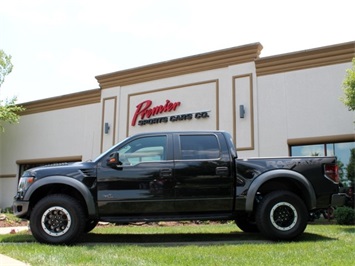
(341, 150)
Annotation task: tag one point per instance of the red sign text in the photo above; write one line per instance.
(144, 110)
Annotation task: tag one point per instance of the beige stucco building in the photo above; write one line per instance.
(273, 106)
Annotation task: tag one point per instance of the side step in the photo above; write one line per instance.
(165, 218)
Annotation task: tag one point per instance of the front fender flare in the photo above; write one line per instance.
(79, 186)
(261, 179)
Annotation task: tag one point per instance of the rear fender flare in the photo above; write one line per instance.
(288, 174)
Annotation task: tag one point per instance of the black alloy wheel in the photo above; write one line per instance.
(57, 219)
(281, 215)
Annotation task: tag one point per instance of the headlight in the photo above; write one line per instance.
(25, 183)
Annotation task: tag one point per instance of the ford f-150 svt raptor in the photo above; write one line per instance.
(170, 176)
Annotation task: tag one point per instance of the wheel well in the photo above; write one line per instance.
(285, 184)
(56, 188)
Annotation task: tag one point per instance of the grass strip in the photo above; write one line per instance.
(215, 244)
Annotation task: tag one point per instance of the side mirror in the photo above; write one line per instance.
(113, 160)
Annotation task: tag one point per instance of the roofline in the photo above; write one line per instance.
(328, 55)
(317, 57)
(61, 102)
(181, 66)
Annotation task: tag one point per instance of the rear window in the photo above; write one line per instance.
(199, 147)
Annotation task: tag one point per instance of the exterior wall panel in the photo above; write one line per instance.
(243, 112)
(301, 104)
(108, 123)
(69, 132)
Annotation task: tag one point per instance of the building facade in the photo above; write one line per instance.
(273, 106)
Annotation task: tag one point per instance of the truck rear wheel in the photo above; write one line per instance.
(57, 219)
(281, 216)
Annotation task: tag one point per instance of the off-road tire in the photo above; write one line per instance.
(281, 215)
(57, 219)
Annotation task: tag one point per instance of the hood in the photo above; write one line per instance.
(75, 170)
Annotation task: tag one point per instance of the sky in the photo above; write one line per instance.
(59, 46)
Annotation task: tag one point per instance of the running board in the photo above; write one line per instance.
(165, 218)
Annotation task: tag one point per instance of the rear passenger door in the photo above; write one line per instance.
(202, 173)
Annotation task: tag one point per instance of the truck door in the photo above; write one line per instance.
(204, 182)
(141, 182)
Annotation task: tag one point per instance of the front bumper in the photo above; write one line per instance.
(338, 200)
(20, 208)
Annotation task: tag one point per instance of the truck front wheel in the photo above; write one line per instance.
(281, 216)
(57, 219)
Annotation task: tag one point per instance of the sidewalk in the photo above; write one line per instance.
(5, 260)
(12, 230)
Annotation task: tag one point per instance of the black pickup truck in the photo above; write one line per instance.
(175, 176)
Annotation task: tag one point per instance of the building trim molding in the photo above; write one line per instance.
(186, 65)
(216, 81)
(114, 99)
(77, 158)
(323, 56)
(8, 176)
(321, 140)
(251, 118)
(61, 102)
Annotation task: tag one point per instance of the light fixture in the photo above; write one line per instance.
(241, 111)
(107, 128)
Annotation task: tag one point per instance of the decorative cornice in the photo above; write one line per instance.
(335, 54)
(76, 158)
(321, 140)
(8, 176)
(61, 102)
(329, 55)
(186, 65)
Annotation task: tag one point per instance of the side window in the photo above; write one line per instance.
(199, 147)
(145, 149)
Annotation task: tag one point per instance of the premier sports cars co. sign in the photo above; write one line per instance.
(147, 114)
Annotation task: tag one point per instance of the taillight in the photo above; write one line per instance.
(331, 171)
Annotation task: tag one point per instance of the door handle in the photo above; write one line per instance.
(223, 171)
(166, 172)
